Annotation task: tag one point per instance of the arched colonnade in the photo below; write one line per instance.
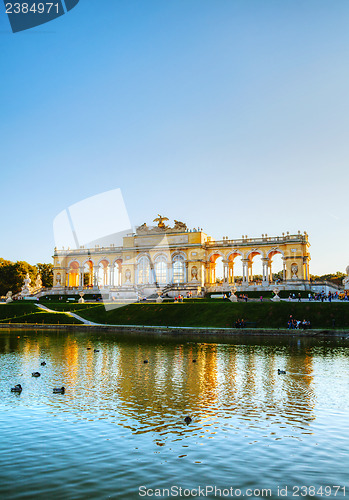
(247, 262)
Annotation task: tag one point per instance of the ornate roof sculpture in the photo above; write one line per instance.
(179, 227)
(160, 220)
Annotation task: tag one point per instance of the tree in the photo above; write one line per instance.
(46, 272)
(278, 276)
(12, 275)
(336, 278)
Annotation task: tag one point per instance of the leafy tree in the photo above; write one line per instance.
(257, 277)
(46, 272)
(337, 277)
(278, 276)
(12, 275)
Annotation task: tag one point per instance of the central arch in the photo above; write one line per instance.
(178, 269)
(143, 270)
(160, 267)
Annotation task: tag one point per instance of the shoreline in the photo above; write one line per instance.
(180, 330)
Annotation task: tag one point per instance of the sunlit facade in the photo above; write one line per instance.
(173, 257)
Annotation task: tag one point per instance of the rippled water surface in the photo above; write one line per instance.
(120, 424)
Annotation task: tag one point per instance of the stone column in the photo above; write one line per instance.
(68, 276)
(207, 272)
(306, 268)
(112, 275)
(245, 270)
(81, 277)
(250, 273)
(95, 275)
(152, 276)
(106, 274)
(169, 272)
(284, 269)
(186, 272)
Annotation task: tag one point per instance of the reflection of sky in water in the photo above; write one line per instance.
(232, 393)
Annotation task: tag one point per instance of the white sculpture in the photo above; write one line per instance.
(276, 297)
(81, 300)
(26, 288)
(233, 297)
(194, 273)
(159, 298)
(294, 270)
(9, 297)
(38, 283)
(346, 279)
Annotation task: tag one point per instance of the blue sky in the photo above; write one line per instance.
(228, 115)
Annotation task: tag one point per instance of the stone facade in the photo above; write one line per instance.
(177, 258)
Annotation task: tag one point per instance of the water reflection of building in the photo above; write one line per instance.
(234, 380)
(226, 381)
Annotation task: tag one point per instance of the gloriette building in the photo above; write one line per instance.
(174, 259)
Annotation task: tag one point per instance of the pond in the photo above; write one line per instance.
(119, 430)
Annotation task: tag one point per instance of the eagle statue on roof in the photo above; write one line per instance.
(160, 219)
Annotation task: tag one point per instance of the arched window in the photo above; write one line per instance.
(161, 269)
(143, 270)
(178, 267)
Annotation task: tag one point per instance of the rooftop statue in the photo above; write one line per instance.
(160, 220)
(180, 225)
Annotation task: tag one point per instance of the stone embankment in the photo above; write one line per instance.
(173, 331)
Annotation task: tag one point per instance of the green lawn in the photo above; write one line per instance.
(16, 309)
(217, 314)
(26, 312)
(220, 314)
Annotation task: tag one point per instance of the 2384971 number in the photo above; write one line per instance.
(35, 8)
(320, 491)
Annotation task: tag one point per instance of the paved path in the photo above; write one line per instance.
(76, 316)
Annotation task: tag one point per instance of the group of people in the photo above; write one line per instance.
(293, 296)
(244, 297)
(324, 296)
(179, 298)
(320, 296)
(240, 323)
(298, 324)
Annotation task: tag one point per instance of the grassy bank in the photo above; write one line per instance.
(202, 314)
(216, 314)
(24, 312)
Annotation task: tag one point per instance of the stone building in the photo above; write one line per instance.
(175, 259)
